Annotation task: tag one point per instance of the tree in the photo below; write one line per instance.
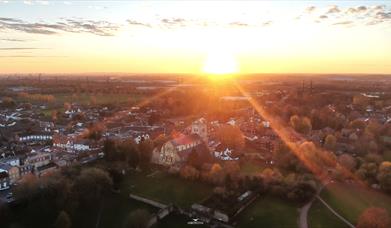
(95, 131)
(231, 137)
(302, 192)
(384, 176)
(145, 149)
(27, 188)
(330, 142)
(109, 150)
(347, 161)
(193, 159)
(67, 106)
(189, 172)
(301, 124)
(63, 220)
(357, 124)
(92, 184)
(232, 168)
(374, 218)
(8, 102)
(137, 219)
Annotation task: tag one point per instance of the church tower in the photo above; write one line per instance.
(199, 127)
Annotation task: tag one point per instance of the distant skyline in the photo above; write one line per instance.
(180, 36)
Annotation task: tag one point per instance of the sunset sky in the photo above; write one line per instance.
(180, 36)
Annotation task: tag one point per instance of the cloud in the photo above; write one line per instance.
(383, 15)
(359, 9)
(37, 2)
(19, 49)
(3, 1)
(12, 20)
(343, 23)
(333, 9)
(33, 56)
(42, 2)
(174, 22)
(310, 9)
(238, 24)
(13, 40)
(379, 7)
(137, 23)
(365, 15)
(100, 28)
(267, 23)
(374, 22)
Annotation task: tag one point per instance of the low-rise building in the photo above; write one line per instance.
(4, 181)
(13, 172)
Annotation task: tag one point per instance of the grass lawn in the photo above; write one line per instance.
(166, 188)
(351, 200)
(117, 208)
(321, 217)
(269, 211)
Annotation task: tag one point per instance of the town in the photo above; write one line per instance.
(179, 150)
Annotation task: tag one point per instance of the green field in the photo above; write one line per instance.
(85, 99)
(166, 188)
(251, 168)
(350, 201)
(319, 216)
(269, 211)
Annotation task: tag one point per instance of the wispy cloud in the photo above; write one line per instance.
(267, 23)
(310, 9)
(343, 23)
(33, 56)
(36, 2)
(238, 24)
(333, 9)
(174, 22)
(359, 9)
(13, 40)
(101, 28)
(138, 23)
(360, 15)
(20, 48)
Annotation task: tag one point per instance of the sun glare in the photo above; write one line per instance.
(220, 63)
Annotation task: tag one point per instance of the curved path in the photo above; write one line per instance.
(335, 213)
(304, 210)
(303, 218)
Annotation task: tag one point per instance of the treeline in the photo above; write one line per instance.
(63, 194)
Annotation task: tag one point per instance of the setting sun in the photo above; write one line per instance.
(220, 63)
